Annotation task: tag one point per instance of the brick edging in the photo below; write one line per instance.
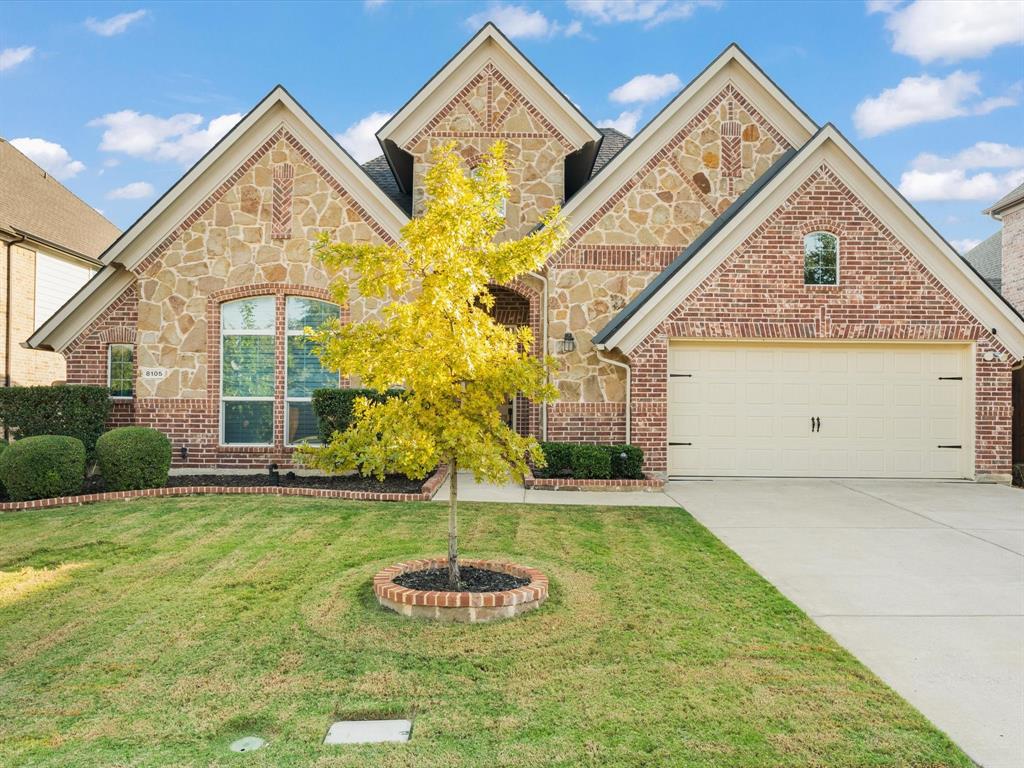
(648, 483)
(426, 493)
(384, 586)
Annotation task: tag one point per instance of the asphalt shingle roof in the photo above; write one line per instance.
(1014, 197)
(379, 170)
(611, 145)
(35, 203)
(987, 259)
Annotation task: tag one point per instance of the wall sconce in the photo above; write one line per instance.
(568, 343)
(990, 357)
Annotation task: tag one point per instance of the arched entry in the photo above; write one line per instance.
(515, 309)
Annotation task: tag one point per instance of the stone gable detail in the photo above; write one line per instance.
(488, 108)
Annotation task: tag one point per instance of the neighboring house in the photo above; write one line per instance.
(51, 240)
(1003, 253)
(741, 293)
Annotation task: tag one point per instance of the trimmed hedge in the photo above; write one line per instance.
(132, 458)
(616, 462)
(43, 466)
(3, 447)
(334, 407)
(75, 410)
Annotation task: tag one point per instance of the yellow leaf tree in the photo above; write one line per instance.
(437, 340)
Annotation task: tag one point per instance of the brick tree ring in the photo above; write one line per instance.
(464, 607)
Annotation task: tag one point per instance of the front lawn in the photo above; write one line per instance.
(155, 632)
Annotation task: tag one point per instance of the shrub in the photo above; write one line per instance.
(559, 459)
(627, 461)
(590, 462)
(334, 407)
(3, 447)
(43, 466)
(133, 457)
(77, 411)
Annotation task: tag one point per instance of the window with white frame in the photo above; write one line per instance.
(303, 372)
(821, 259)
(121, 370)
(248, 367)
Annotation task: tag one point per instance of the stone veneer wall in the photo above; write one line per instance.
(885, 293)
(1013, 257)
(640, 228)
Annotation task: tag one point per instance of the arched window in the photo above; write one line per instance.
(821, 259)
(250, 364)
(248, 367)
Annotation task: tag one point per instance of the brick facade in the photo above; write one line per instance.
(1013, 257)
(252, 236)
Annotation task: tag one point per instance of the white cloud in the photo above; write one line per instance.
(133, 191)
(643, 88)
(882, 6)
(958, 184)
(955, 29)
(519, 22)
(625, 123)
(359, 138)
(964, 245)
(373, 5)
(12, 57)
(179, 138)
(115, 25)
(924, 99)
(984, 154)
(932, 177)
(49, 156)
(650, 12)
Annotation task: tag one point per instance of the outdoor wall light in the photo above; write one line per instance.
(568, 343)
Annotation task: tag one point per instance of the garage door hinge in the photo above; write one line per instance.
(950, 446)
(951, 378)
(680, 443)
(680, 375)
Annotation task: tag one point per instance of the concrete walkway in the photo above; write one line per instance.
(922, 581)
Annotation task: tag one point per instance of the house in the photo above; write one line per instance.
(742, 293)
(1000, 258)
(987, 259)
(51, 243)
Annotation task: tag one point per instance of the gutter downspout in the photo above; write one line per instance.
(7, 320)
(544, 349)
(629, 389)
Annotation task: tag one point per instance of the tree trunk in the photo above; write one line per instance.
(453, 528)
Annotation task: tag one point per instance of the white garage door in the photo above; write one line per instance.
(825, 410)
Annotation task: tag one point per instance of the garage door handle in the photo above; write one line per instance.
(680, 443)
(815, 424)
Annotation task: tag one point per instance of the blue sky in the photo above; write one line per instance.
(118, 99)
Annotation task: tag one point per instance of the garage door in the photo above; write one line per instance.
(825, 410)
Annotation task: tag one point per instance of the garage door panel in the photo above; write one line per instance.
(881, 409)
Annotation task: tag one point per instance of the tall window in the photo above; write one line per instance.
(120, 370)
(247, 371)
(303, 370)
(249, 365)
(821, 259)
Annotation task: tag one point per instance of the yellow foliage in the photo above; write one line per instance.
(435, 337)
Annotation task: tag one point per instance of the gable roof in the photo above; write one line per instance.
(379, 170)
(277, 110)
(35, 205)
(640, 317)
(489, 44)
(987, 259)
(612, 142)
(1007, 201)
(732, 66)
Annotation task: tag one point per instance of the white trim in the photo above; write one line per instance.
(733, 67)
(804, 245)
(829, 147)
(110, 363)
(272, 399)
(488, 45)
(297, 332)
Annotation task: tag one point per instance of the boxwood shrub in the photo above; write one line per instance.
(43, 466)
(625, 462)
(591, 462)
(131, 458)
(334, 407)
(74, 410)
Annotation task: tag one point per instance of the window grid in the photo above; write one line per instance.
(121, 371)
(821, 259)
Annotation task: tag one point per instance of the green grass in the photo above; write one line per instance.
(155, 632)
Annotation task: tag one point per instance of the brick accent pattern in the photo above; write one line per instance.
(393, 596)
(426, 494)
(284, 180)
(648, 483)
(884, 293)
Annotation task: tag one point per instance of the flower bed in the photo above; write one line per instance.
(426, 492)
(463, 607)
(648, 483)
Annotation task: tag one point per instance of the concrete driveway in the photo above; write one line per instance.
(922, 581)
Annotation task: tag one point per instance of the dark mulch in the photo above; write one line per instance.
(472, 580)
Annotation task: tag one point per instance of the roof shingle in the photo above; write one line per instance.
(987, 259)
(380, 172)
